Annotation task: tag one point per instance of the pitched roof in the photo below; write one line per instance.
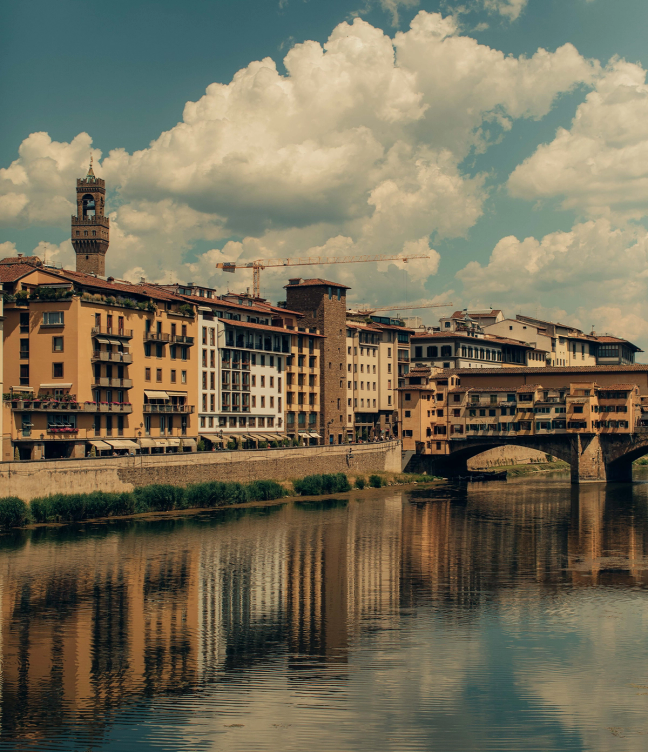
(13, 272)
(145, 289)
(616, 387)
(265, 327)
(528, 388)
(317, 282)
(632, 368)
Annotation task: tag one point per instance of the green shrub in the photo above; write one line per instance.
(314, 485)
(360, 482)
(210, 494)
(264, 490)
(235, 493)
(201, 446)
(13, 512)
(375, 481)
(41, 509)
(160, 497)
(309, 485)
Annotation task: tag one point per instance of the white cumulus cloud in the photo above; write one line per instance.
(598, 166)
(356, 148)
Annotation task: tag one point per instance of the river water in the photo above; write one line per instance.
(502, 616)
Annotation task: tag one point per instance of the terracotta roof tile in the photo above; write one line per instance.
(276, 329)
(317, 282)
(633, 368)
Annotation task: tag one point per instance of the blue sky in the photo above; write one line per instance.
(433, 128)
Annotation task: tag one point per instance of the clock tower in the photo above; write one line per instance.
(90, 227)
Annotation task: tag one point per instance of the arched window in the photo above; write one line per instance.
(432, 351)
(88, 205)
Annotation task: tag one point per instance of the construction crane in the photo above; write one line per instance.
(259, 264)
(370, 311)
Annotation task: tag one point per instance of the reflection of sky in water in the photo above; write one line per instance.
(502, 618)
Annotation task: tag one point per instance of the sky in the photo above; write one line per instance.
(504, 141)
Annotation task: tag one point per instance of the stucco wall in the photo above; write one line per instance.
(31, 479)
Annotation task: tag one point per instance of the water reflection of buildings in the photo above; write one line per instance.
(89, 624)
(85, 627)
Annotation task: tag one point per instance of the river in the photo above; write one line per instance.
(502, 616)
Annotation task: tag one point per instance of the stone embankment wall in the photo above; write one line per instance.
(31, 479)
(506, 455)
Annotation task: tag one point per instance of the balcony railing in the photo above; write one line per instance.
(182, 339)
(48, 406)
(151, 336)
(148, 408)
(111, 331)
(116, 383)
(112, 357)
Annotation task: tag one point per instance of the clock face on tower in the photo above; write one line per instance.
(90, 226)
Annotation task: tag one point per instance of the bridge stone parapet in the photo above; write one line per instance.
(593, 458)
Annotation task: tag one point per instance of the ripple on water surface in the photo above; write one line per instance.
(502, 616)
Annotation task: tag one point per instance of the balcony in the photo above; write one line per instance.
(182, 339)
(114, 383)
(110, 331)
(148, 408)
(112, 357)
(49, 406)
(156, 337)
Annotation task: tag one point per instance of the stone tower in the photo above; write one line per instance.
(323, 304)
(90, 227)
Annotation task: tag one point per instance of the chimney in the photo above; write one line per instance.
(142, 280)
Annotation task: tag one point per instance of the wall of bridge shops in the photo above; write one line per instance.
(29, 480)
(553, 378)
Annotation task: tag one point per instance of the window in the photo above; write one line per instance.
(159, 352)
(53, 318)
(24, 322)
(408, 413)
(408, 397)
(57, 370)
(173, 376)
(24, 348)
(24, 375)
(183, 377)
(147, 374)
(57, 344)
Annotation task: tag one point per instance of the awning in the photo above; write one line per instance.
(156, 395)
(173, 442)
(304, 433)
(315, 435)
(275, 437)
(100, 445)
(114, 342)
(56, 386)
(103, 340)
(189, 442)
(176, 394)
(122, 444)
(211, 437)
(22, 389)
(147, 443)
(160, 442)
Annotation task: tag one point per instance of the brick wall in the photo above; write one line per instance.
(31, 479)
(328, 316)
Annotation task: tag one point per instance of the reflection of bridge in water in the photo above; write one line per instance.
(92, 624)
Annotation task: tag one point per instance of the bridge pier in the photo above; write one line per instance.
(587, 463)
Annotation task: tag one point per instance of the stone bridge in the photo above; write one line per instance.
(592, 457)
